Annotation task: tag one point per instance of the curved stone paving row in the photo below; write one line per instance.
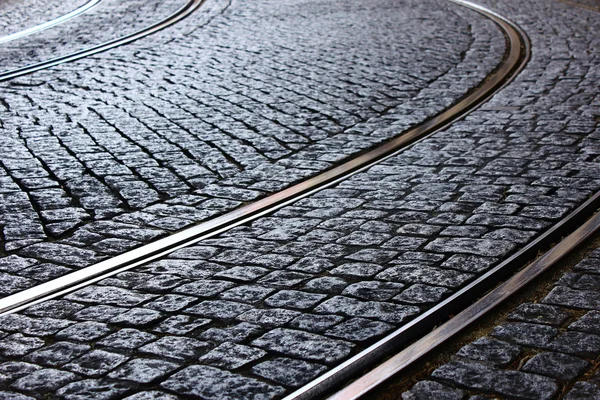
(106, 21)
(18, 15)
(118, 149)
(266, 307)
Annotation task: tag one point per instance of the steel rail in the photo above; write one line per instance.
(471, 314)
(516, 59)
(189, 7)
(48, 24)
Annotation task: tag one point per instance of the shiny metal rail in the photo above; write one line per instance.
(62, 19)
(473, 313)
(189, 7)
(515, 59)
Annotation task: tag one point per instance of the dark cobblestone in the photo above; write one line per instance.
(288, 372)
(212, 383)
(551, 353)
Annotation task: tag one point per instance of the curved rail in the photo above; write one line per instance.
(518, 55)
(187, 9)
(51, 23)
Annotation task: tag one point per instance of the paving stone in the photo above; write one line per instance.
(94, 388)
(359, 329)
(84, 331)
(590, 265)
(32, 326)
(176, 347)
(171, 303)
(491, 350)
(556, 365)
(315, 323)
(422, 294)
(382, 311)
(580, 281)
(18, 345)
(539, 314)
(430, 389)
(11, 284)
(508, 383)
(60, 253)
(106, 295)
(284, 278)
(204, 288)
(236, 333)
(327, 284)
(268, 317)
(180, 324)
(425, 274)
(583, 391)
(244, 274)
(469, 263)
(231, 356)
(54, 308)
(373, 290)
(247, 294)
(14, 396)
(143, 370)
(98, 313)
(589, 323)
(126, 338)
(96, 363)
(294, 299)
(12, 370)
(480, 247)
(137, 317)
(525, 334)
(577, 343)
(57, 354)
(220, 309)
(211, 383)
(304, 345)
(152, 395)
(44, 380)
(564, 296)
(288, 372)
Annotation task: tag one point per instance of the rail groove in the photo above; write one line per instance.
(518, 55)
(189, 7)
(461, 321)
(48, 24)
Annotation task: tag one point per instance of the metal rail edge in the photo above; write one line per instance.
(471, 314)
(48, 24)
(189, 7)
(514, 62)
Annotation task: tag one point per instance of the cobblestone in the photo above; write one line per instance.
(159, 147)
(545, 355)
(116, 173)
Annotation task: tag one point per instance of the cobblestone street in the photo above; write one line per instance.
(241, 100)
